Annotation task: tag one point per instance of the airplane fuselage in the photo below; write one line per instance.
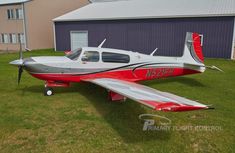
(107, 63)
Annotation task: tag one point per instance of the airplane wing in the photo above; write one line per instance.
(161, 101)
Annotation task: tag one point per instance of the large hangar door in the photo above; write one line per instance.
(78, 39)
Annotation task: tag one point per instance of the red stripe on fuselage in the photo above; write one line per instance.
(127, 75)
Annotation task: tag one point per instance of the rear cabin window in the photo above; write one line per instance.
(91, 56)
(115, 58)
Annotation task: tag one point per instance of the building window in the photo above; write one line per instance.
(21, 38)
(115, 58)
(12, 38)
(4, 38)
(19, 13)
(15, 14)
(10, 14)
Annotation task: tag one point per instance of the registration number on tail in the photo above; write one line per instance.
(159, 72)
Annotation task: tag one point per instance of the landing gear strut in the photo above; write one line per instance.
(48, 91)
(48, 84)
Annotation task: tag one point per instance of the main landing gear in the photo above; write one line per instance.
(48, 91)
(115, 97)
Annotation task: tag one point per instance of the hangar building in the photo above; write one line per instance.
(143, 25)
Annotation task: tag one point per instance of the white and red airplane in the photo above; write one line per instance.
(119, 71)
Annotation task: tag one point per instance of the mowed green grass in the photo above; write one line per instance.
(80, 119)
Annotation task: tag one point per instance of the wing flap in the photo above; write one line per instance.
(155, 99)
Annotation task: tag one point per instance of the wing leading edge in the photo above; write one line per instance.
(161, 101)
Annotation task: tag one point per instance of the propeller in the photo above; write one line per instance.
(20, 71)
(20, 67)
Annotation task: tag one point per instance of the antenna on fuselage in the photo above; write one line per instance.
(152, 54)
(100, 46)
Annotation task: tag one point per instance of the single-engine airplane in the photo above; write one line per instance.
(119, 71)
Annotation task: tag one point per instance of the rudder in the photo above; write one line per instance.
(193, 48)
(197, 47)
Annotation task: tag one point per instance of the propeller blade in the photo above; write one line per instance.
(20, 71)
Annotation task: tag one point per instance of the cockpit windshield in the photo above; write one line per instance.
(74, 55)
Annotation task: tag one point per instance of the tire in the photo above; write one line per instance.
(48, 92)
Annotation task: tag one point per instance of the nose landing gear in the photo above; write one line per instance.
(48, 91)
(49, 84)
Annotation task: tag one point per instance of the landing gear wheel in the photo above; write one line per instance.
(48, 91)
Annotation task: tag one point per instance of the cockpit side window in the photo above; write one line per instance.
(90, 56)
(74, 55)
(115, 58)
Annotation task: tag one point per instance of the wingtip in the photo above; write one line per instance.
(210, 107)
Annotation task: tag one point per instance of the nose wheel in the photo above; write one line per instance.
(48, 91)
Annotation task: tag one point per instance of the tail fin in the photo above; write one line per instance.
(193, 49)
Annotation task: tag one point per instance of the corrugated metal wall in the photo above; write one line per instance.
(145, 35)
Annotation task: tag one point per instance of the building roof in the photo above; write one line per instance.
(8, 2)
(141, 9)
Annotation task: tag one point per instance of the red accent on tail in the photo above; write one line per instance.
(197, 46)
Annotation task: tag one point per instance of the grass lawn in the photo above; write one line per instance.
(80, 119)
